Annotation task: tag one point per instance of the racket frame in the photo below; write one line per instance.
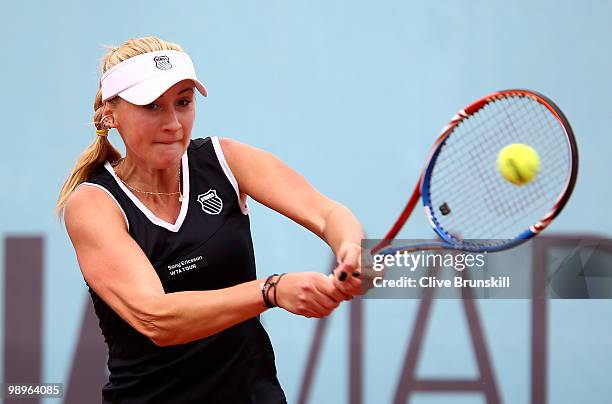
(422, 187)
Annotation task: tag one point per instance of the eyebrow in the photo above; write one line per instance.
(187, 89)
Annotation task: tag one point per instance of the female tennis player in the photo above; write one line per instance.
(163, 241)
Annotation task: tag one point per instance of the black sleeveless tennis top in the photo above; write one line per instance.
(209, 247)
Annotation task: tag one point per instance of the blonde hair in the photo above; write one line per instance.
(101, 150)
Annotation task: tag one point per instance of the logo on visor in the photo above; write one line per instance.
(162, 62)
(211, 203)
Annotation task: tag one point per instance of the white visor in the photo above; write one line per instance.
(142, 79)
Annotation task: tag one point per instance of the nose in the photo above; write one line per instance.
(171, 121)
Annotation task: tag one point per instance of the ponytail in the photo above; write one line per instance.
(89, 162)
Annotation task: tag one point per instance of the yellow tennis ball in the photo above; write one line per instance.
(518, 163)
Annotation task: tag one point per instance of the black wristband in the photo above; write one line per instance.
(265, 287)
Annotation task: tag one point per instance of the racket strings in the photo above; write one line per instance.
(506, 207)
(537, 191)
(482, 204)
(503, 206)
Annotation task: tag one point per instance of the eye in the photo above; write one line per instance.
(151, 106)
(185, 102)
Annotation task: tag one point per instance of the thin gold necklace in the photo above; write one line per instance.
(179, 193)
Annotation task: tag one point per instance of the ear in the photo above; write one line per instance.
(108, 118)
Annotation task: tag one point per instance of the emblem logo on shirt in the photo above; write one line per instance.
(210, 201)
(162, 62)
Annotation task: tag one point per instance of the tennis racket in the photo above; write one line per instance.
(469, 204)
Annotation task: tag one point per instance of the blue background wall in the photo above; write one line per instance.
(350, 94)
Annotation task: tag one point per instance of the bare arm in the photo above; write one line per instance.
(117, 269)
(269, 181)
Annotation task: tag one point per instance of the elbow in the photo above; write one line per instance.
(158, 335)
(160, 340)
(154, 325)
(154, 331)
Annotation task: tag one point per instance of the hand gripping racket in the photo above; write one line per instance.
(469, 204)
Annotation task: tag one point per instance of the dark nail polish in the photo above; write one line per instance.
(342, 276)
(356, 274)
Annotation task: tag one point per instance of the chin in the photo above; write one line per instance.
(168, 154)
